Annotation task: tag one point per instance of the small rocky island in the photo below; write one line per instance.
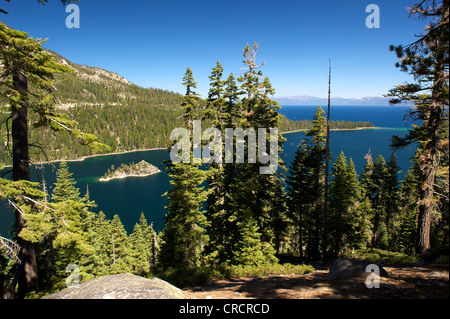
(137, 170)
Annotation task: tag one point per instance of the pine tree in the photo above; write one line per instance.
(251, 208)
(217, 190)
(215, 102)
(223, 218)
(344, 195)
(360, 227)
(379, 181)
(392, 193)
(317, 142)
(65, 185)
(300, 193)
(27, 78)
(102, 243)
(406, 235)
(185, 234)
(278, 221)
(65, 233)
(306, 184)
(121, 254)
(248, 249)
(233, 107)
(245, 207)
(379, 201)
(142, 246)
(427, 59)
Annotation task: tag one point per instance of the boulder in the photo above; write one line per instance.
(123, 286)
(343, 268)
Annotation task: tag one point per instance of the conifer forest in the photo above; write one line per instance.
(224, 219)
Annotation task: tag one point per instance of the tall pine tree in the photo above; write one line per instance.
(185, 235)
(427, 59)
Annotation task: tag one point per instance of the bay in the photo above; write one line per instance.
(380, 116)
(129, 197)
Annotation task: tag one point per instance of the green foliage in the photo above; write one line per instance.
(185, 232)
(183, 277)
(435, 253)
(287, 125)
(306, 184)
(140, 169)
(240, 271)
(382, 189)
(377, 255)
(427, 60)
(344, 196)
(65, 231)
(65, 185)
(19, 52)
(122, 115)
(118, 113)
(143, 245)
(248, 218)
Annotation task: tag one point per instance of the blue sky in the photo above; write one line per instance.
(151, 43)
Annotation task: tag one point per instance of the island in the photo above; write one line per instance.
(137, 170)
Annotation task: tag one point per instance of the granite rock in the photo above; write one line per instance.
(123, 286)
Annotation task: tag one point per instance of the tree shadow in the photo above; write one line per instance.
(403, 283)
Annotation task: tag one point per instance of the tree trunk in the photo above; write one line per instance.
(300, 237)
(327, 164)
(26, 275)
(429, 164)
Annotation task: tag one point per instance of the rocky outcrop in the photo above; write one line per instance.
(140, 169)
(344, 268)
(123, 286)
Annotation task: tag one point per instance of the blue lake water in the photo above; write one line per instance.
(380, 116)
(130, 196)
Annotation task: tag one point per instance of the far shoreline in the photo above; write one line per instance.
(341, 129)
(80, 159)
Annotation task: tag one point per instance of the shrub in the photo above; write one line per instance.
(435, 253)
(194, 276)
(182, 277)
(267, 270)
(380, 255)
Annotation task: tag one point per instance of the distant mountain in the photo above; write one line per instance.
(311, 100)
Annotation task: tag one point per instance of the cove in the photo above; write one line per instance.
(130, 196)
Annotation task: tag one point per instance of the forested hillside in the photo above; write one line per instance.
(224, 219)
(122, 115)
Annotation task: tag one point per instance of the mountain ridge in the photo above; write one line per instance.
(312, 100)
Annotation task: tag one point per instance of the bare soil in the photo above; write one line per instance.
(424, 282)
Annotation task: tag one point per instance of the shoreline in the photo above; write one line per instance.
(341, 129)
(125, 176)
(141, 169)
(80, 159)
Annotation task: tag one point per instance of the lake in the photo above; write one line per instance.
(130, 196)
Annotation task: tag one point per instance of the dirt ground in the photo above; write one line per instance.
(425, 282)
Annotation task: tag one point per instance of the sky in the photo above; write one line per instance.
(151, 43)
